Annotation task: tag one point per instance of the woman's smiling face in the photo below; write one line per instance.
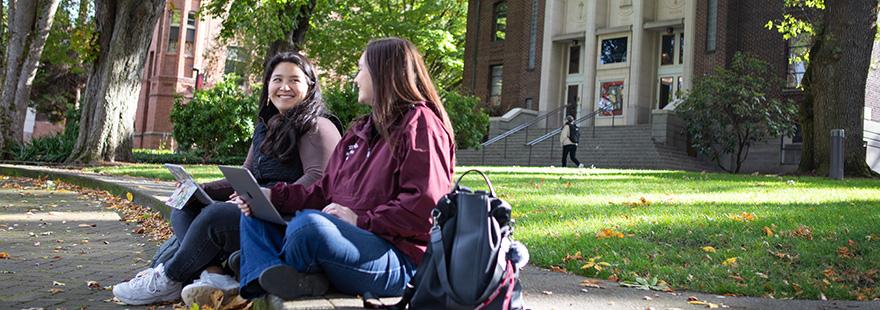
(288, 86)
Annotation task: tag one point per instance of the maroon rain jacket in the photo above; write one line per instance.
(392, 191)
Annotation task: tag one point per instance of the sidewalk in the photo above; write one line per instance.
(127, 254)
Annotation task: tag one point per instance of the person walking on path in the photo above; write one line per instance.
(364, 227)
(292, 142)
(569, 137)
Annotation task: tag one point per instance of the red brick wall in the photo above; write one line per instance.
(741, 28)
(519, 82)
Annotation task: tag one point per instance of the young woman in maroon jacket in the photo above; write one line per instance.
(364, 226)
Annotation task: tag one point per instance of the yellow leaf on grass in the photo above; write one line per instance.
(708, 249)
(129, 196)
(742, 217)
(768, 231)
(608, 233)
(729, 261)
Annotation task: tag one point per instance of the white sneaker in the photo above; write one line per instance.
(148, 287)
(201, 292)
(581, 165)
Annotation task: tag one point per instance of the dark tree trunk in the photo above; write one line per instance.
(838, 74)
(295, 35)
(125, 28)
(28, 37)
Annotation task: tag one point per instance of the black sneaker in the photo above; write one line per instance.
(287, 283)
(234, 263)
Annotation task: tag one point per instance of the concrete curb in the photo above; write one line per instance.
(77, 178)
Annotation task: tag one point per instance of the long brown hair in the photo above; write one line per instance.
(400, 79)
(284, 130)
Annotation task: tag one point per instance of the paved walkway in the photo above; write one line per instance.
(26, 279)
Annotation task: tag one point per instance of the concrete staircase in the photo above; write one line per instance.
(612, 147)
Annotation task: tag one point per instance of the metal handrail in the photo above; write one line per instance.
(558, 130)
(520, 127)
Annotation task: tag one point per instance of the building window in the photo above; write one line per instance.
(711, 25)
(798, 52)
(611, 98)
(613, 51)
(667, 49)
(236, 58)
(495, 82)
(681, 48)
(189, 44)
(499, 21)
(173, 32)
(574, 59)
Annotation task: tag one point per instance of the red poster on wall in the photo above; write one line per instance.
(611, 98)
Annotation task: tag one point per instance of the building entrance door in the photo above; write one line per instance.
(572, 99)
(670, 68)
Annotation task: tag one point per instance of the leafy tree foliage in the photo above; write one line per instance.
(217, 121)
(728, 111)
(341, 29)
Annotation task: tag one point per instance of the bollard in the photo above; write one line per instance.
(837, 140)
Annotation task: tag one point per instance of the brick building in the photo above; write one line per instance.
(555, 57)
(184, 52)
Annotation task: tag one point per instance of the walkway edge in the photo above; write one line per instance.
(77, 178)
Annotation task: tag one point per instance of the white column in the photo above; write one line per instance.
(690, 22)
(588, 91)
(547, 97)
(633, 85)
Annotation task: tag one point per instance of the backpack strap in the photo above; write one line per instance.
(457, 187)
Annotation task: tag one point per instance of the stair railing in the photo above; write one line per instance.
(524, 126)
(556, 131)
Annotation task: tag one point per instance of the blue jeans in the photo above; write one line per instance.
(206, 235)
(355, 261)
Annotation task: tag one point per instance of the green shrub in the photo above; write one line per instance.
(728, 111)
(149, 156)
(341, 100)
(218, 120)
(469, 121)
(53, 149)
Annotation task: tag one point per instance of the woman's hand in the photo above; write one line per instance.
(342, 212)
(243, 205)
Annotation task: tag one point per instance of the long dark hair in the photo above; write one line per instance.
(400, 79)
(285, 129)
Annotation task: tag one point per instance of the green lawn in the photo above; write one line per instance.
(784, 236)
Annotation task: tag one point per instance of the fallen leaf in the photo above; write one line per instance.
(704, 303)
(129, 196)
(768, 231)
(608, 233)
(56, 283)
(93, 285)
(742, 217)
(4, 255)
(56, 290)
(555, 268)
(708, 249)
(729, 261)
(844, 252)
(547, 292)
(591, 283)
(576, 256)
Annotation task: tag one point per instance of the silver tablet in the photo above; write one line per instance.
(247, 188)
(185, 179)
